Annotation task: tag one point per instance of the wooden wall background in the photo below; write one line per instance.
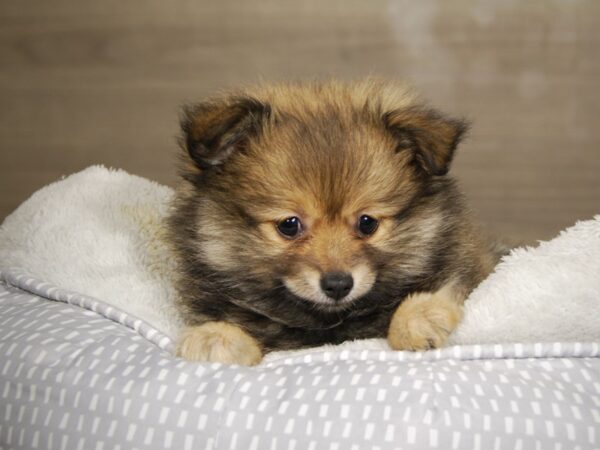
(100, 82)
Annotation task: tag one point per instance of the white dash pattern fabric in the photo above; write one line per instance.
(76, 375)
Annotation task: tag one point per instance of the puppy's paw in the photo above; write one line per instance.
(424, 321)
(219, 342)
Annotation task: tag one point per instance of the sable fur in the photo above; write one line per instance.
(326, 152)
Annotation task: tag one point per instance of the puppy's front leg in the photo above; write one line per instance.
(424, 320)
(219, 342)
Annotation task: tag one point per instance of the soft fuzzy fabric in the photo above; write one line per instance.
(100, 232)
(547, 293)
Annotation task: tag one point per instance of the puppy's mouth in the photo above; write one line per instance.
(331, 291)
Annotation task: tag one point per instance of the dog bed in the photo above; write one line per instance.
(87, 330)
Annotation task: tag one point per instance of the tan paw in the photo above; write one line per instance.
(424, 321)
(219, 342)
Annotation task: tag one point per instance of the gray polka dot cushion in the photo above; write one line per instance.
(87, 326)
(76, 373)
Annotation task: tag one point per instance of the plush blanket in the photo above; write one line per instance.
(100, 233)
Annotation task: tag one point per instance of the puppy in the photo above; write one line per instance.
(316, 213)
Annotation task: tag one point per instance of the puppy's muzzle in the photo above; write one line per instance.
(337, 285)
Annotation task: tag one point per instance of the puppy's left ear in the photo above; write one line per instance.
(216, 129)
(431, 136)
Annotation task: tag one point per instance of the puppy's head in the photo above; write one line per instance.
(319, 193)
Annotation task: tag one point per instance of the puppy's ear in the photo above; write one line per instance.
(214, 130)
(431, 136)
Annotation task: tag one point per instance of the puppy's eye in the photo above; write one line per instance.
(367, 225)
(290, 227)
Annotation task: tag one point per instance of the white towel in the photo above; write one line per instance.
(100, 232)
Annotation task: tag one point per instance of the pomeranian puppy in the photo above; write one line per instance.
(315, 213)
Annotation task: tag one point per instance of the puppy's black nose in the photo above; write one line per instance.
(336, 284)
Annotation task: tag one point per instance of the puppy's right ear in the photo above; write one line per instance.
(431, 136)
(214, 130)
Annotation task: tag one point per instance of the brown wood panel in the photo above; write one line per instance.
(85, 82)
